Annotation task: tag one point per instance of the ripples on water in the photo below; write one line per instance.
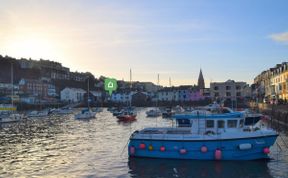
(61, 146)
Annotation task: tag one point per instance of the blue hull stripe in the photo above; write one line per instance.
(215, 140)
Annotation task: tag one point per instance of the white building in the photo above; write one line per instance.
(229, 90)
(72, 94)
(167, 94)
(96, 96)
(121, 97)
(183, 93)
(52, 90)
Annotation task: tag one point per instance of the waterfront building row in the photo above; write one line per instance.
(272, 84)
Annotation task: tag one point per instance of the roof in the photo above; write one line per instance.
(211, 116)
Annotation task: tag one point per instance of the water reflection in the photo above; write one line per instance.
(144, 167)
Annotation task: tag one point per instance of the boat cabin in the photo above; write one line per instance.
(212, 123)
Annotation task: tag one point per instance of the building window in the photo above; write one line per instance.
(228, 94)
(216, 94)
(228, 87)
(209, 123)
(220, 124)
(232, 123)
(238, 94)
(216, 88)
(238, 87)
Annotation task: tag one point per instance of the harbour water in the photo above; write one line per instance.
(60, 146)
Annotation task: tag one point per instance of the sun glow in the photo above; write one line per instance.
(31, 46)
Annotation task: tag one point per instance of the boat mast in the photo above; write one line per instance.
(158, 80)
(130, 88)
(12, 91)
(88, 94)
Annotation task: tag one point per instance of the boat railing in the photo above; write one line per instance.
(186, 130)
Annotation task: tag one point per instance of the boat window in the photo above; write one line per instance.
(221, 124)
(209, 123)
(184, 123)
(232, 123)
(241, 123)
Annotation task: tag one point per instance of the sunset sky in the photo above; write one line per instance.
(227, 39)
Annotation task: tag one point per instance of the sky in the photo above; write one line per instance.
(227, 39)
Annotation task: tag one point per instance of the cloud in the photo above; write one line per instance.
(280, 37)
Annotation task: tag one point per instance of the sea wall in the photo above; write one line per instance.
(278, 113)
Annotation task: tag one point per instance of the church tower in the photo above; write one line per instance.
(201, 83)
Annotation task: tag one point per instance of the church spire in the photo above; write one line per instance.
(201, 83)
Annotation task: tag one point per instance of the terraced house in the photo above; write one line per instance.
(273, 83)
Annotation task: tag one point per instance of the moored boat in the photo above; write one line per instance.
(8, 112)
(153, 113)
(203, 135)
(85, 114)
(127, 116)
(167, 113)
(97, 109)
(63, 111)
(8, 116)
(38, 114)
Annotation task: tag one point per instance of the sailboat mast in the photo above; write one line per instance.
(12, 91)
(130, 86)
(130, 79)
(158, 78)
(88, 94)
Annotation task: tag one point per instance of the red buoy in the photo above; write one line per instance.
(266, 150)
(162, 148)
(142, 146)
(218, 154)
(204, 149)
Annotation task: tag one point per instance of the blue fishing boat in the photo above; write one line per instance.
(204, 135)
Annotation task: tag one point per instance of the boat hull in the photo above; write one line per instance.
(126, 118)
(192, 149)
(85, 116)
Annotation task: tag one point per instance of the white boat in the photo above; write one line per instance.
(85, 114)
(97, 109)
(8, 112)
(178, 110)
(63, 111)
(153, 113)
(7, 116)
(43, 113)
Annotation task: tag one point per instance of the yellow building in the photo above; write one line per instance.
(279, 81)
(284, 83)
